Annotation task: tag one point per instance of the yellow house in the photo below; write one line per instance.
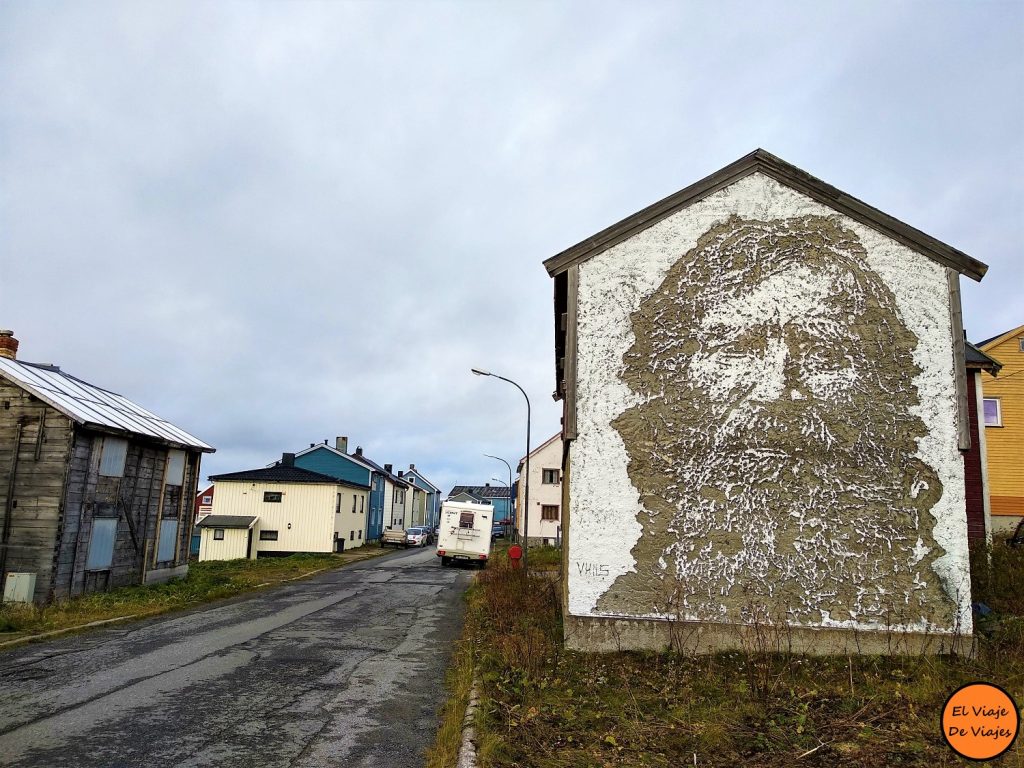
(281, 510)
(1004, 428)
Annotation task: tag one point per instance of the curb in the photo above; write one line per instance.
(467, 751)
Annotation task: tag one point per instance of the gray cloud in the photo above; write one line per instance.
(277, 223)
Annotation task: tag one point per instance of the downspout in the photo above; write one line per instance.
(5, 537)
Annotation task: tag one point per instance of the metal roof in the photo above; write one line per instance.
(281, 473)
(482, 491)
(90, 405)
(226, 521)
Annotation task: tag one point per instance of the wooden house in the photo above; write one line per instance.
(95, 491)
(283, 509)
(765, 408)
(431, 493)
(1003, 407)
(545, 493)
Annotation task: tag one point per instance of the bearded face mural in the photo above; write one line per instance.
(775, 438)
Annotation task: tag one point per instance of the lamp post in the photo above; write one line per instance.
(514, 526)
(526, 485)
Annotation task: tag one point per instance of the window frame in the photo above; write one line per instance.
(544, 475)
(544, 508)
(218, 534)
(265, 535)
(278, 494)
(999, 412)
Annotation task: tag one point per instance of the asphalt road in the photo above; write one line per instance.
(343, 669)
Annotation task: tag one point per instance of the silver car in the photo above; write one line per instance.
(416, 537)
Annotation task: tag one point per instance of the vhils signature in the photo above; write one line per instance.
(593, 570)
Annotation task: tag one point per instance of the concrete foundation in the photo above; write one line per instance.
(600, 634)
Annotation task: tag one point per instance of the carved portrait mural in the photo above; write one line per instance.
(774, 445)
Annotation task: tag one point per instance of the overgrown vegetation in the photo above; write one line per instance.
(544, 707)
(205, 581)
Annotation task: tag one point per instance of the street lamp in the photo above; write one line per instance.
(505, 523)
(514, 526)
(526, 481)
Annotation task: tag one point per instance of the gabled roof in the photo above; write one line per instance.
(282, 473)
(91, 406)
(760, 161)
(421, 477)
(226, 521)
(1001, 337)
(481, 491)
(539, 448)
(378, 468)
(976, 359)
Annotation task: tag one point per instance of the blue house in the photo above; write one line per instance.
(496, 496)
(335, 462)
(416, 477)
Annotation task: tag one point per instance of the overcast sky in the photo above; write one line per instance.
(276, 223)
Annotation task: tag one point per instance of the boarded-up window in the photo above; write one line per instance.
(168, 535)
(175, 467)
(113, 454)
(101, 544)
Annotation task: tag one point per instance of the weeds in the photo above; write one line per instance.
(761, 705)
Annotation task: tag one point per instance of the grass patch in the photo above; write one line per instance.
(543, 706)
(205, 581)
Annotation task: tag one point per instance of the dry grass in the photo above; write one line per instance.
(545, 707)
(206, 581)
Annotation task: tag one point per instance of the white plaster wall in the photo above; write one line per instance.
(603, 502)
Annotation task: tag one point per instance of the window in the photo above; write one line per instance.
(113, 453)
(268, 535)
(354, 497)
(168, 537)
(175, 467)
(1021, 340)
(218, 534)
(274, 496)
(337, 505)
(362, 501)
(993, 412)
(549, 512)
(101, 543)
(465, 520)
(360, 535)
(351, 535)
(207, 500)
(550, 477)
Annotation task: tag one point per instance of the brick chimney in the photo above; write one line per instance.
(387, 468)
(287, 459)
(8, 345)
(412, 467)
(359, 450)
(400, 473)
(341, 443)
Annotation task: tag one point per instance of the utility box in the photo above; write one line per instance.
(19, 587)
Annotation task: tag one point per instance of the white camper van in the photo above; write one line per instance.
(464, 532)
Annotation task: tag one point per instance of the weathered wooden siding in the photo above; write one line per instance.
(1005, 444)
(41, 437)
(138, 499)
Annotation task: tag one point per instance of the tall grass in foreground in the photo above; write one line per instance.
(543, 706)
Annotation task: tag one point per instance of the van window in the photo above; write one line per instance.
(466, 520)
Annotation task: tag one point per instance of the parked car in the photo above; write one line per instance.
(416, 537)
(498, 531)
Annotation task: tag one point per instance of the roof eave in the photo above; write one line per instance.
(767, 163)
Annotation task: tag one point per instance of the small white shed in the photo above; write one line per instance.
(226, 537)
